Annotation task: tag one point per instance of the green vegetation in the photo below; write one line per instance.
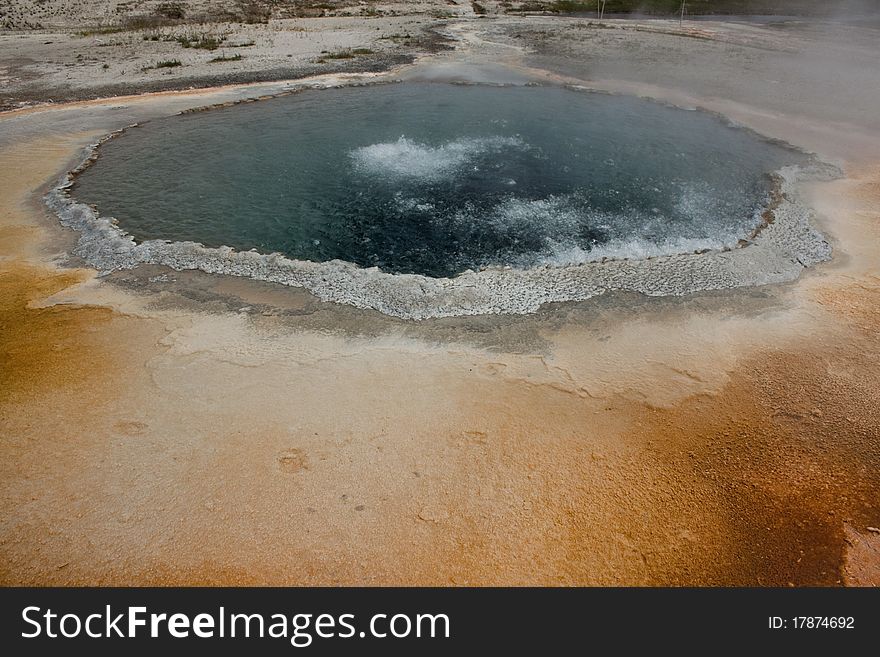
(167, 63)
(224, 58)
(191, 40)
(200, 41)
(100, 31)
(344, 54)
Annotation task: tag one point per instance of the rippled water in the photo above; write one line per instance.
(436, 178)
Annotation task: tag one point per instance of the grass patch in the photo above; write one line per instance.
(99, 31)
(190, 40)
(226, 58)
(345, 54)
(167, 63)
(200, 41)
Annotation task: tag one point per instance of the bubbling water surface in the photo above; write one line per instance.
(434, 179)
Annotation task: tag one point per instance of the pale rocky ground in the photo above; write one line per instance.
(172, 427)
(79, 14)
(103, 48)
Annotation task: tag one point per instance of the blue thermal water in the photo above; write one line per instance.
(435, 178)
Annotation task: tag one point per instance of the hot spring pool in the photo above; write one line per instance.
(424, 200)
(435, 179)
